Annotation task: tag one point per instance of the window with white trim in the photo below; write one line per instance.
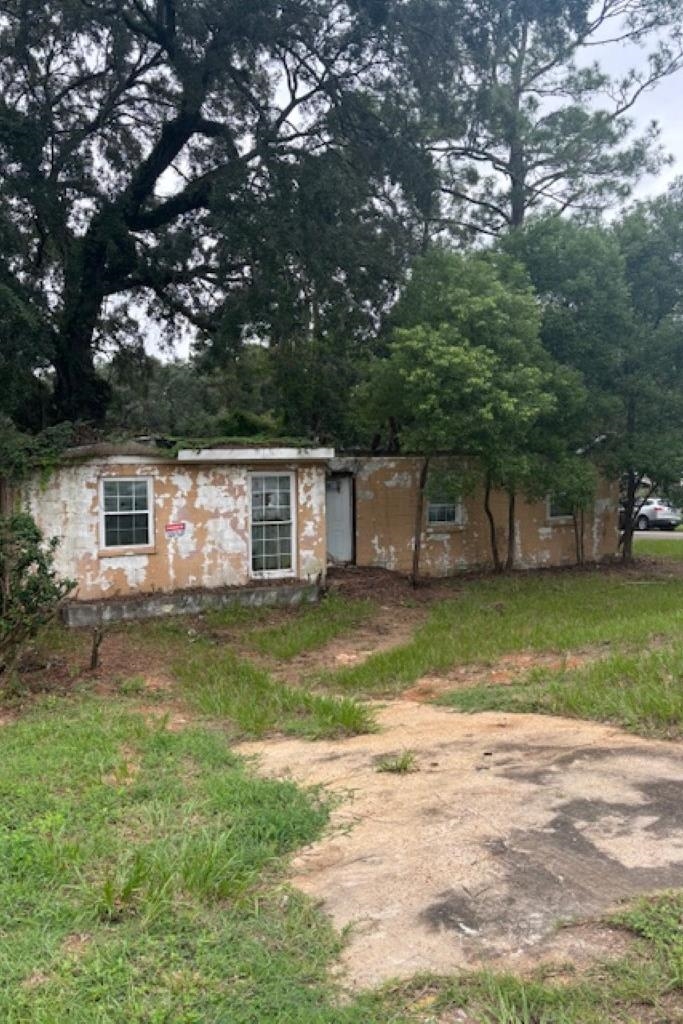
(126, 512)
(272, 524)
(445, 513)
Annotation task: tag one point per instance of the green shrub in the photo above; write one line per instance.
(30, 589)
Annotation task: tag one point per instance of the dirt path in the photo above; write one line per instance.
(390, 627)
(512, 824)
(505, 671)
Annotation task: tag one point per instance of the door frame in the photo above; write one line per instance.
(347, 474)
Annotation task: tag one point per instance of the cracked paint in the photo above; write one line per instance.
(386, 499)
(213, 503)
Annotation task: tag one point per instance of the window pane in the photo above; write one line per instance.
(441, 512)
(140, 495)
(271, 518)
(122, 529)
(560, 506)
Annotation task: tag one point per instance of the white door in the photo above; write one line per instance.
(339, 519)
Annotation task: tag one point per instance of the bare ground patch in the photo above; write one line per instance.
(513, 825)
(504, 672)
(391, 627)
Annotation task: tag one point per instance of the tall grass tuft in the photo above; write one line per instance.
(225, 686)
(640, 692)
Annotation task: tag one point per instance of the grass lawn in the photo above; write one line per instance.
(142, 882)
(494, 617)
(143, 865)
(141, 879)
(641, 692)
(671, 550)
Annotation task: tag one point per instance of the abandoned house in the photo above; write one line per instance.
(371, 512)
(138, 520)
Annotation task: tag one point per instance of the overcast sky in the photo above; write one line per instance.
(664, 104)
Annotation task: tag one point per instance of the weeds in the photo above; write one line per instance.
(312, 627)
(150, 873)
(221, 685)
(640, 692)
(492, 618)
(133, 686)
(305, 628)
(398, 764)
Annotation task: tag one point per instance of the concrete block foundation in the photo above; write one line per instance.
(151, 606)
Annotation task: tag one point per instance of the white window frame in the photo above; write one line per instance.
(563, 518)
(446, 524)
(275, 574)
(107, 548)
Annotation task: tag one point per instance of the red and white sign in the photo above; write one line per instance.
(175, 529)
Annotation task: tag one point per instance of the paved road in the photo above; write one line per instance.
(659, 534)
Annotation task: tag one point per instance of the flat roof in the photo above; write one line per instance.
(259, 453)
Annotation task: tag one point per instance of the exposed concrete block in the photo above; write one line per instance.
(150, 606)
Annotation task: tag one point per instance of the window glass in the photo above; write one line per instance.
(271, 523)
(444, 512)
(560, 506)
(126, 506)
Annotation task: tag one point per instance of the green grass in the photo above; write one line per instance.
(313, 627)
(671, 550)
(306, 628)
(221, 685)
(494, 617)
(398, 764)
(141, 880)
(640, 692)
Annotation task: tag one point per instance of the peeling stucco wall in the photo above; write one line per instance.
(386, 497)
(212, 501)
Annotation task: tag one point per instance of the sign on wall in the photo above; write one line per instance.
(175, 529)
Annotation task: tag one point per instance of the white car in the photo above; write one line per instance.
(657, 513)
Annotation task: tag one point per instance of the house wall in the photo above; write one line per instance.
(386, 498)
(213, 502)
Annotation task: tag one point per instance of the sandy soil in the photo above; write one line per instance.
(512, 825)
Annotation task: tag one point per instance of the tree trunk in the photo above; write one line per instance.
(516, 167)
(91, 264)
(6, 502)
(497, 564)
(80, 394)
(629, 520)
(419, 510)
(510, 560)
(578, 521)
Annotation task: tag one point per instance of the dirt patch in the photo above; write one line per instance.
(390, 627)
(172, 717)
(512, 825)
(76, 943)
(503, 672)
(385, 587)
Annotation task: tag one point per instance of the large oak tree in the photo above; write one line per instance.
(149, 150)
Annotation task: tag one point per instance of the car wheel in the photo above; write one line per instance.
(642, 523)
(670, 527)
